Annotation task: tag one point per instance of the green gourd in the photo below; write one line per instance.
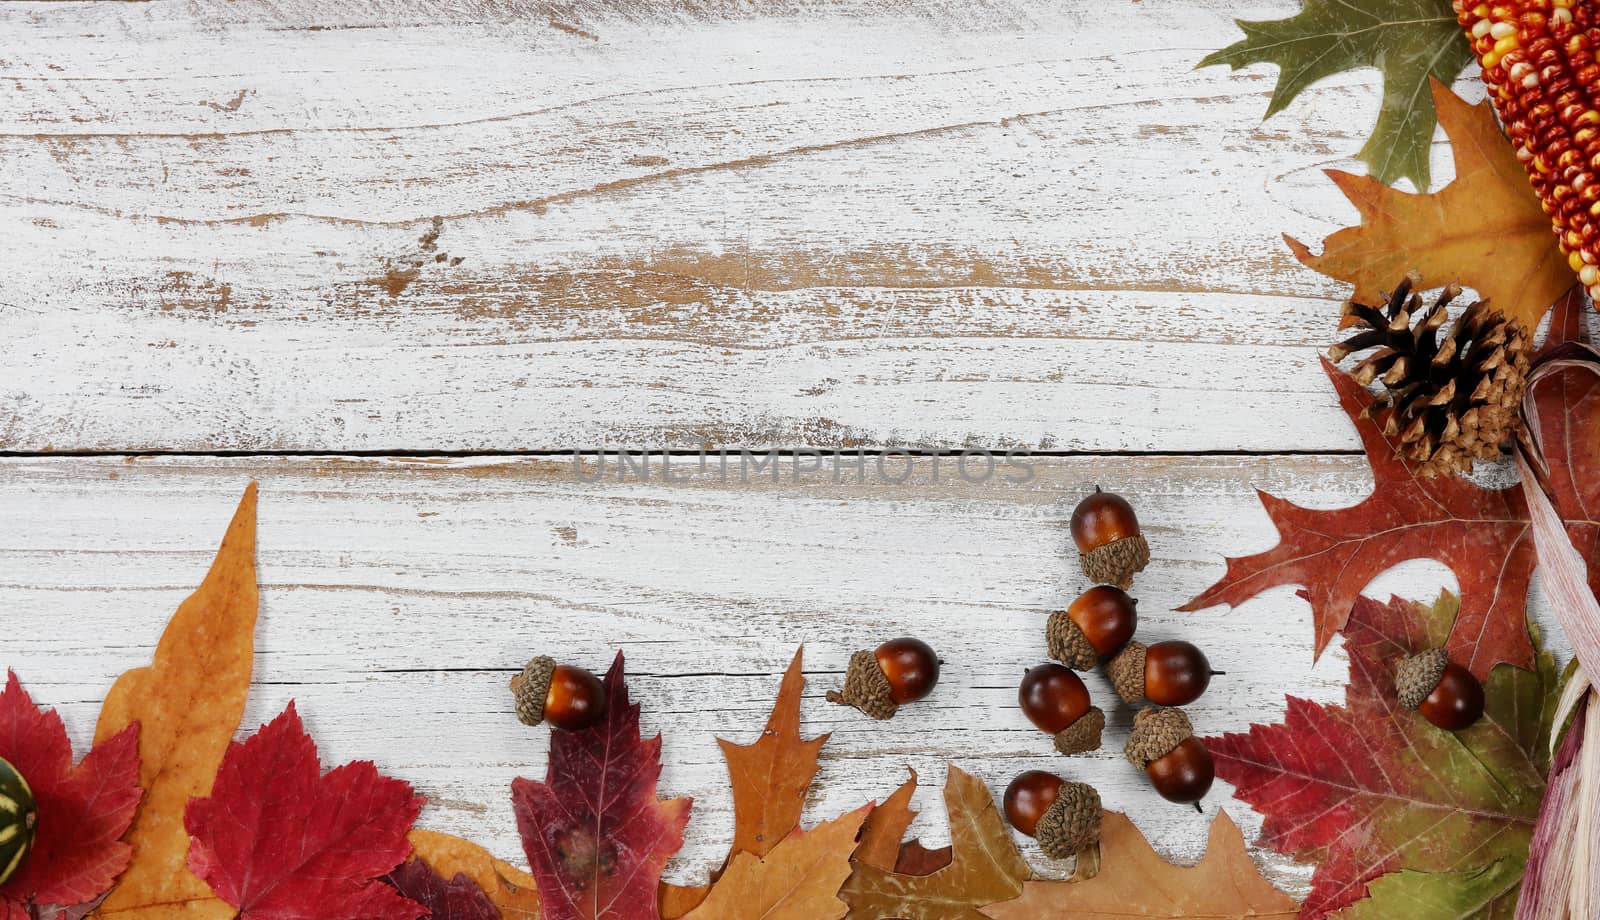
(18, 818)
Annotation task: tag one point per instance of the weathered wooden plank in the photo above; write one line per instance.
(290, 226)
(399, 596)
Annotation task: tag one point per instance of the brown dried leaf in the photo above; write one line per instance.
(1135, 882)
(188, 703)
(886, 826)
(510, 889)
(798, 879)
(1485, 229)
(986, 867)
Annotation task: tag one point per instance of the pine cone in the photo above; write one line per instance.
(1450, 398)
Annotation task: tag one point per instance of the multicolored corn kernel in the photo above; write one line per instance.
(1541, 62)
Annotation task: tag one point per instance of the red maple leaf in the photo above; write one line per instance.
(459, 898)
(83, 810)
(277, 839)
(596, 836)
(1371, 787)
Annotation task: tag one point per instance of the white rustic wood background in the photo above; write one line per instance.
(391, 258)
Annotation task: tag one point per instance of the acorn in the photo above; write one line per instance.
(564, 695)
(1171, 673)
(1110, 545)
(1096, 625)
(19, 819)
(897, 672)
(1055, 700)
(1444, 692)
(1163, 744)
(1064, 817)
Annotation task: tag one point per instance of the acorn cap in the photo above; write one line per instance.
(1083, 735)
(531, 687)
(1117, 561)
(1072, 823)
(1155, 733)
(1066, 643)
(866, 688)
(1127, 672)
(1418, 675)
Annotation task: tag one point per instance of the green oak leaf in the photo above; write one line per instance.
(1409, 40)
(1488, 893)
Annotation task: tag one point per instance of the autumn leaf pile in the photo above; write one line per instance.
(168, 817)
(1399, 818)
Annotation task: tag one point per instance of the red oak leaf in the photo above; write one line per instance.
(83, 810)
(596, 836)
(1372, 787)
(1482, 534)
(279, 840)
(458, 898)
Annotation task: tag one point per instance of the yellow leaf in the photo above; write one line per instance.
(510, 889)
(1485, 229)
(1135, 882)
(886, 825)
(798, 879)
(985, 866)
(188, 703)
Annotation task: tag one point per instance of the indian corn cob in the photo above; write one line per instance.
(1541, 62)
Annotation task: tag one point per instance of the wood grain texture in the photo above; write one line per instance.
(400, 225)
(399, 596)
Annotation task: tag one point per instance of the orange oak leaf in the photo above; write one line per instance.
(1135, 882)
(772, 775)
(770, 779)
(985, 867)
(673, 901)
(509, 889)
(886, 827)
(188, 703)
(1481, 534)
(798, 879)
(1485, 229)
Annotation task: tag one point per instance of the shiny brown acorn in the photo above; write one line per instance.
(1063, 816)
(897, 672)
(1444, 692)
(1096, 625)
(564, 695)
(1162, 744)
(1110, 545)
(1171, 673)
(1055, 700)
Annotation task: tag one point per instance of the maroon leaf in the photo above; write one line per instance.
(596, 836)
(83, 810)
(458, 898)
(277, 839)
